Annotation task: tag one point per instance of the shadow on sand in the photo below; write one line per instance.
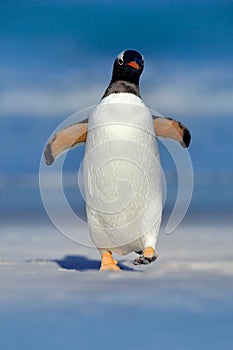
(82, 263)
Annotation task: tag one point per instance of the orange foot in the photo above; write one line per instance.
(147, 257)
(107, 262)
(149, 253)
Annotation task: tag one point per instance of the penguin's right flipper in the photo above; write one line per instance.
(172, 129)
(65, 139)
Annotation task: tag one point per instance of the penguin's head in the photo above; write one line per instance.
(128, 66)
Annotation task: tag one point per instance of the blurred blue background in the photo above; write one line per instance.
(56, 58)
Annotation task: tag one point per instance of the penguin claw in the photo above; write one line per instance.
(142, 260)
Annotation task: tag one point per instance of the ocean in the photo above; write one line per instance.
(57, 59)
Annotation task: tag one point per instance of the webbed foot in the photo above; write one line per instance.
(107, 262)
(147, 257)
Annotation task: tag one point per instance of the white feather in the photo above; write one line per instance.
(121, 55)
(122, 175)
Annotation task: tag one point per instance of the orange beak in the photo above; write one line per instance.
(133, 64)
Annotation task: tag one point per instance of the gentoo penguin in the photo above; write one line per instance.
(122, 171)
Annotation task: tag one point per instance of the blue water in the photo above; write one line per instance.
(20, 160)
(164, 28)
(49, 48)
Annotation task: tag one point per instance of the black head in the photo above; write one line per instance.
(128, 66)
(127, 69)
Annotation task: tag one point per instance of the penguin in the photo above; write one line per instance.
(122, 170)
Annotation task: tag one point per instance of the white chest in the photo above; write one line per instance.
(121, 170)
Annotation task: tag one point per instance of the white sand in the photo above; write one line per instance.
(50, 284)
(40, 253)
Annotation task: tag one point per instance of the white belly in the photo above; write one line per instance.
(122, 175)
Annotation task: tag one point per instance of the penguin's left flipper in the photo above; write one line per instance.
(172, 129)
(65, 139)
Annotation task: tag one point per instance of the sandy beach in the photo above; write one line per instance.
(52, 294)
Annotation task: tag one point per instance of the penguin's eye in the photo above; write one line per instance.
(120, 61)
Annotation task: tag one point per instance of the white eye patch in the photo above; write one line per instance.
(121, 55)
